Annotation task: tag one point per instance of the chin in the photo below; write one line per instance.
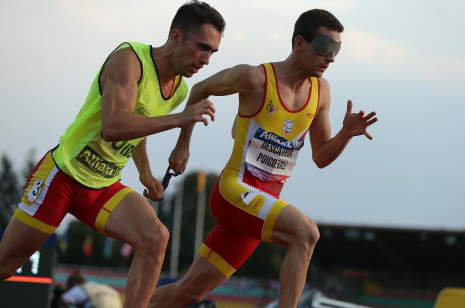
(318, 74)
(187, 74)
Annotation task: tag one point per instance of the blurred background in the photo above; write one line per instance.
(390, 211)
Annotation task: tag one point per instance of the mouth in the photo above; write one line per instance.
(323, 67)
(196, 68)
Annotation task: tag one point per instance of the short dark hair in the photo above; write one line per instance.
(74, 280)
(192, 15)
(309, 22)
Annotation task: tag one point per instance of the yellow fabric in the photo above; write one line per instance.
(271, 220)
(270, 121)
(33, 222)
(271, 118)
(42, 173)
(105, 212)
(216, 260)
(274, 122)
(451, 298)
(84, 155)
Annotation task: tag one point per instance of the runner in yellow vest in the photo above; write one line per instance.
(130, 98)
(279, 105)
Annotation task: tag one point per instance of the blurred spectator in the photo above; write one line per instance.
(89, 294)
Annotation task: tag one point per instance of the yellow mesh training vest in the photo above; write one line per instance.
(82, 152)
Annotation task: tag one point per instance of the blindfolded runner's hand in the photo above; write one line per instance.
(356, 124)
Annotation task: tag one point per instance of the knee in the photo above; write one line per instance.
(155, 240)
(162, 235)
(308, 233)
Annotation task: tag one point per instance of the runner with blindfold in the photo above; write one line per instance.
(279, 104)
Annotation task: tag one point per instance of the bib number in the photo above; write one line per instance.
(35, 190)
(270, 157)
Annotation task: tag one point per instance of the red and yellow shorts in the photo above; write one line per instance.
(51, 194)
(245, 216)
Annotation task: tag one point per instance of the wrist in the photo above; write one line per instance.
(178, 119)
(145, 173)
(346, 133)
(183, 143)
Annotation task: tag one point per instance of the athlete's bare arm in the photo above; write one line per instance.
(154, 189)
(324, 148)
(119, 82)
(246, 80)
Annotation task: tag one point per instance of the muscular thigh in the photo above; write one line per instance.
(94, 207)
(245, 216)
(291, 224)
(47, 197)
(133, 220)
(50, 194)
(243, 208)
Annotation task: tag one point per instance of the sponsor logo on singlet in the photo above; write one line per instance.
(270, 157)
(94, 161)
(270, 108)
(142, 111)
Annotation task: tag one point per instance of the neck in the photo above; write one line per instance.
(291, 71)
(163, 59)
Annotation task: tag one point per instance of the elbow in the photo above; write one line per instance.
(198, 92)
(109, 135)
(320, 163)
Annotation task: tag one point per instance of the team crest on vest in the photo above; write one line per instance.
(287, 127)
(271, 108)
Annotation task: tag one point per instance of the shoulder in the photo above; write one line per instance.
(124, 64)
(324, 84)
(324, 87)
(325, 93)
(251, 76)
(124, 56)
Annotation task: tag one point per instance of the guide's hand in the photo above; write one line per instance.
(154, 189)
(178, 159)
(194, 113)
(356, 124)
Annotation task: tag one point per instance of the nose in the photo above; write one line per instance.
(205, 59)
(331, 58)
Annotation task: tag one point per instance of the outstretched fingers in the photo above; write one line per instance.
(349, 106)
(372, 121)
(368, 135)
(369, 116)
(369, 120)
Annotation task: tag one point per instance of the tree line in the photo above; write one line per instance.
(12, 185)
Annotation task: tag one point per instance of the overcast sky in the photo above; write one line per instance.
(402, 59)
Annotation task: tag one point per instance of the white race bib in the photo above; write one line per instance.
(270, 157)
